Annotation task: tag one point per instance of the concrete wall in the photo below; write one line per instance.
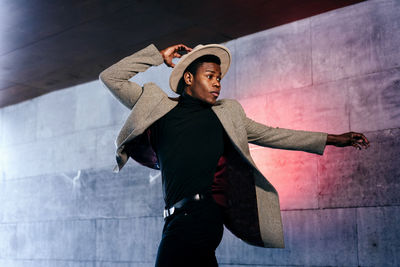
(61, 205)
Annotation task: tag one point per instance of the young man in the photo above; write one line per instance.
(201, 147)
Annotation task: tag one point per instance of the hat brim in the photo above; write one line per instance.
(220, 51)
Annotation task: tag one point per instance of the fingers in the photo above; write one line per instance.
(180, 47)
(168, 60)
(359, 141)
(184, 47)
(177, 55)
(169, 63)
(357, 146)
(362, 140)
(365, 140)
(172, 52)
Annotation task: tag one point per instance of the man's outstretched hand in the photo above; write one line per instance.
(357, 140)
(171, 52)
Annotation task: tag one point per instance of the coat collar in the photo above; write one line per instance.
(226, 120)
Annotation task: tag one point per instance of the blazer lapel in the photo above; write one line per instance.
(226, 122)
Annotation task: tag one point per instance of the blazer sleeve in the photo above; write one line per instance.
(262, 135)
(116, 78)
(275, 137)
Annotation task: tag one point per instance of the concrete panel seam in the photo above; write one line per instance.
(79, 219)
(340, 207)
(311, 55)
(358, 75)
(386, 129)
(357, 243)
(35, 138)
(318, 184)
(128, 218)
(14, 146)
(102, 261)
(95, 239)
(47, 260)
(21, 178)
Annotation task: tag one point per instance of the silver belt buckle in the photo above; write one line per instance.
(168, 212)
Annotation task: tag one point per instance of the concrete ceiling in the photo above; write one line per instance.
(47, 45)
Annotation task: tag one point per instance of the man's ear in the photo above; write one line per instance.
(188, 78)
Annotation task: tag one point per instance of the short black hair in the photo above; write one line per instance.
(193, 67)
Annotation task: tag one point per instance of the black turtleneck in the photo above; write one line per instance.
(188, 141)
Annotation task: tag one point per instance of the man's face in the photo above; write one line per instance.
(206, 84)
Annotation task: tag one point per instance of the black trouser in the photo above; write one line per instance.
(191, 235)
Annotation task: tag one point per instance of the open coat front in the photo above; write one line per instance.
(253, 212)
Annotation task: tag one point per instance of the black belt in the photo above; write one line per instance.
(182, 202)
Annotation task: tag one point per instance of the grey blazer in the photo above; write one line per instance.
(253, 212)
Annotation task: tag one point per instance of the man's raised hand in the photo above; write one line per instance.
(172, 52)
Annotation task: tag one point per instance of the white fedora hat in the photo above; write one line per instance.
(220, 51)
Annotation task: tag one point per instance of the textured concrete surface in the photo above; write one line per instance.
(66, 240)
(375, 101)
(251, 265)
(351, 178)
(83, 194)
(308, 235)
(72, 152)
(356, 40)
(134, 192)
(323, 108)
(38, 198)
(61, 205)
(379, 235)
(17, 126)
(95, 109)
(124, 264)
(63, 105)
(273, 60)
(45, 263)
(8, 244)
(133, 240)
(256, 109)
(1, 127)
(293, 173)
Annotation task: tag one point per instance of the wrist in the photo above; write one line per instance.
(331, 139)
(161, 53)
